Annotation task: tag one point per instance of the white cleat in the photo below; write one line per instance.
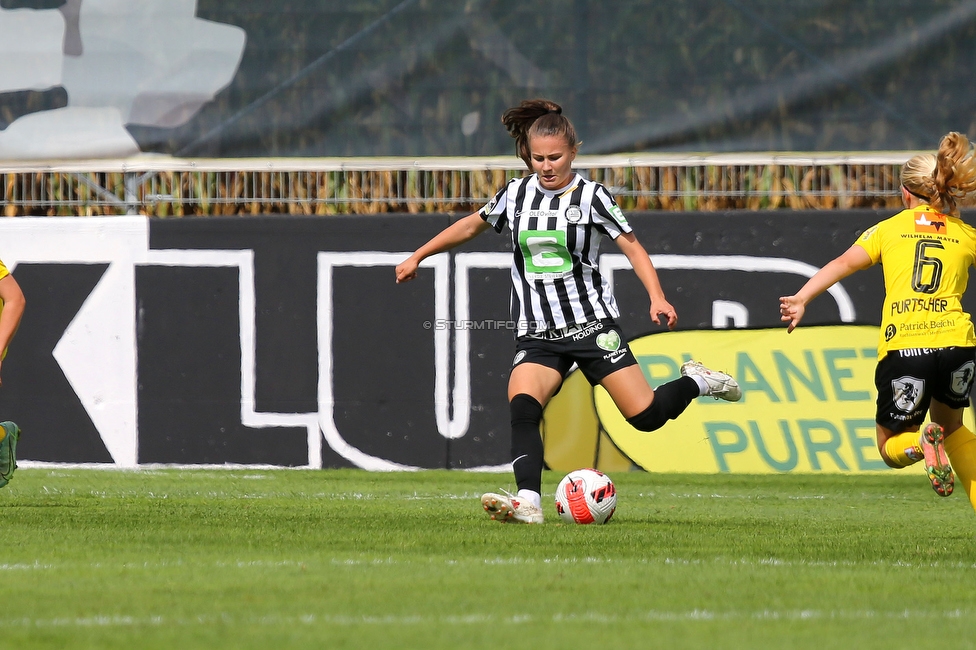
(720, 384)
(511, 509)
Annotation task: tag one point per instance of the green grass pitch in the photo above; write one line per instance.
(334, 559)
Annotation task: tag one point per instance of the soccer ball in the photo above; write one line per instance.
(586, 496)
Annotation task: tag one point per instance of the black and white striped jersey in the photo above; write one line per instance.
(556, 235)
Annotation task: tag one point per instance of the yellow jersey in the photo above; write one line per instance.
(926, 258)
(3, 273)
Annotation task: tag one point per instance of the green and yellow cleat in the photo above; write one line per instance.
(936, 462)
(8, 452)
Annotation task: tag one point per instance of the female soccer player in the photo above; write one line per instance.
(563, 306)
(926, 348)
(11, 309)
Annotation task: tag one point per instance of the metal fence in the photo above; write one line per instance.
(168, 187)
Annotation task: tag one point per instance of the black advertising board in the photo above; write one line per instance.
(285, 341)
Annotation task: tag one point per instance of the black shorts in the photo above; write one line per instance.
(598, 349)
(907, 381)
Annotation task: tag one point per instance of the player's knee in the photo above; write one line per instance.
(650, 419)
(887, 461)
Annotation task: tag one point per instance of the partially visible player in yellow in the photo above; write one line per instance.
(12, 304)
(927, 347)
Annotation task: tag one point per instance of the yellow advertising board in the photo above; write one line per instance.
(808, 403)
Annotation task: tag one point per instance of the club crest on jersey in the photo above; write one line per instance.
(574, 214)
(907, 392)
(962, 379)
(924, 224)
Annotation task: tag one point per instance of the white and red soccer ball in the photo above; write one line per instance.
(586, 496)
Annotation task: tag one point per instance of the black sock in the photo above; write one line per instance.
(527, 449)
(670, 401)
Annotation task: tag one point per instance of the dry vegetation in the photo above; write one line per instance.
(180, 194)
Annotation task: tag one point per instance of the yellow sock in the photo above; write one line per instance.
(904, 449)
(960, 447)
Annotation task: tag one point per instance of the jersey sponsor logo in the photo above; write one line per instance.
(909, 353)
(618, 215)
(616, 355)
(962, 379)
(545, 253)
(609, 341)
(924, 224)
(867, 233)
(540, 214)
(574, 214)
(890, 332)
(589, 329)
(928, 237)
(922, 328)
(907, 392)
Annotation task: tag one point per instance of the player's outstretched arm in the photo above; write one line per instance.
(647, 274)
(457, 233)
(13, 308)
(792, 308)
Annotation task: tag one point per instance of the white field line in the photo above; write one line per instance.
(321, 563)
(694, 615)
(473, 497)
(437, 496)
(150, 467)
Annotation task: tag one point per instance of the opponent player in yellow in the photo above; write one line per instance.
(12, 304)
(927, 347)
